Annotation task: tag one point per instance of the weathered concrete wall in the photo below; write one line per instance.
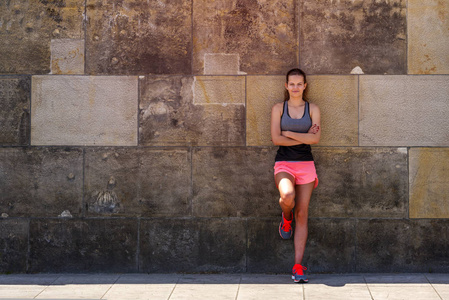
(135, 135)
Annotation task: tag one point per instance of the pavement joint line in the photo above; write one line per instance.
(433, 287)
(118, 277)
(46, 287)
(238, 288)
(174, 287)
(367, 286)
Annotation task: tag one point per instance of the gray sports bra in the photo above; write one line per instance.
(297, 125)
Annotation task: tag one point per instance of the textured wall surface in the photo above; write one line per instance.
(135, 135)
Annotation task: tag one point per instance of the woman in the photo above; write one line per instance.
(295, 125)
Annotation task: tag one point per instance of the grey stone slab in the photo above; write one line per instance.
(402, 246)
(139, 37)
(192, 245)
(170, 116)
(404, 110)
(41, 181)
(360, 182)
(84, 110)
(28, 279)
(83, 245)
(234, 182)
(267, 252)
(331, 246)
(15, 92)
(27, 27)
(137, 181)
(263, 34)
(13, 246)
(337, 36)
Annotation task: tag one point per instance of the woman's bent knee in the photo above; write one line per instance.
(287, 198)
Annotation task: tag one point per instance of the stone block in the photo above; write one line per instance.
(27, 27)
(221, 64)
(404, 110)
(83, 245)
(264, 34)
(428, 36)
(337, 36)
(41, 181)
(13, 245)
(330, 246)
(139, 37)
(429, 182)
(335, 95)
(234, 182)
(402, 245)
(137, 182)
(267, 252)
(360, 182)
(193, 245)
(83, 110)
(67, 56)
(261, 94)
(219, 90)
(15, 113)
(169, 115)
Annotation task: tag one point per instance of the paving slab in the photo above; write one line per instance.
(24, 285)
(440, 282)
(260, 287)
(343, 287)
(144, 286)
(79, 286)
(217, 286)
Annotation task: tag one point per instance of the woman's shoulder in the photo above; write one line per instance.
(279, 105)
(313, 106)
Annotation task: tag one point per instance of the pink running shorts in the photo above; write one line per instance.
(303, 171)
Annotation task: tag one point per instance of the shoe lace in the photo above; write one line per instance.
(298, 269)
(286, 226)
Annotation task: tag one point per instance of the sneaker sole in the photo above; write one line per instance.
(300, 280)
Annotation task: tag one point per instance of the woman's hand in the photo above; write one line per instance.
(314, 129)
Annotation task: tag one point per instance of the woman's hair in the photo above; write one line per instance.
(299, 72)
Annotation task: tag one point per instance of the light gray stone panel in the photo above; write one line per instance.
(67, 56)
(27, 27)
(428, 36)
(360, 182)
(15, 110)
(263, 34)
(193, 245)
(139, 37)
(404, 110)
(137, 182)
(41, 181)
(337, 36)
(13, 245)
(234, 182)
(84, 110)
(170, 116)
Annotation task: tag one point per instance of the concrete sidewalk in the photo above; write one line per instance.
(224, 286)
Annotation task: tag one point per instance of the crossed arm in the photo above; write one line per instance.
(290, 138)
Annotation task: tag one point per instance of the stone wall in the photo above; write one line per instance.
(135, 134)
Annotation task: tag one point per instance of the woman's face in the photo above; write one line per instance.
(295, 86)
